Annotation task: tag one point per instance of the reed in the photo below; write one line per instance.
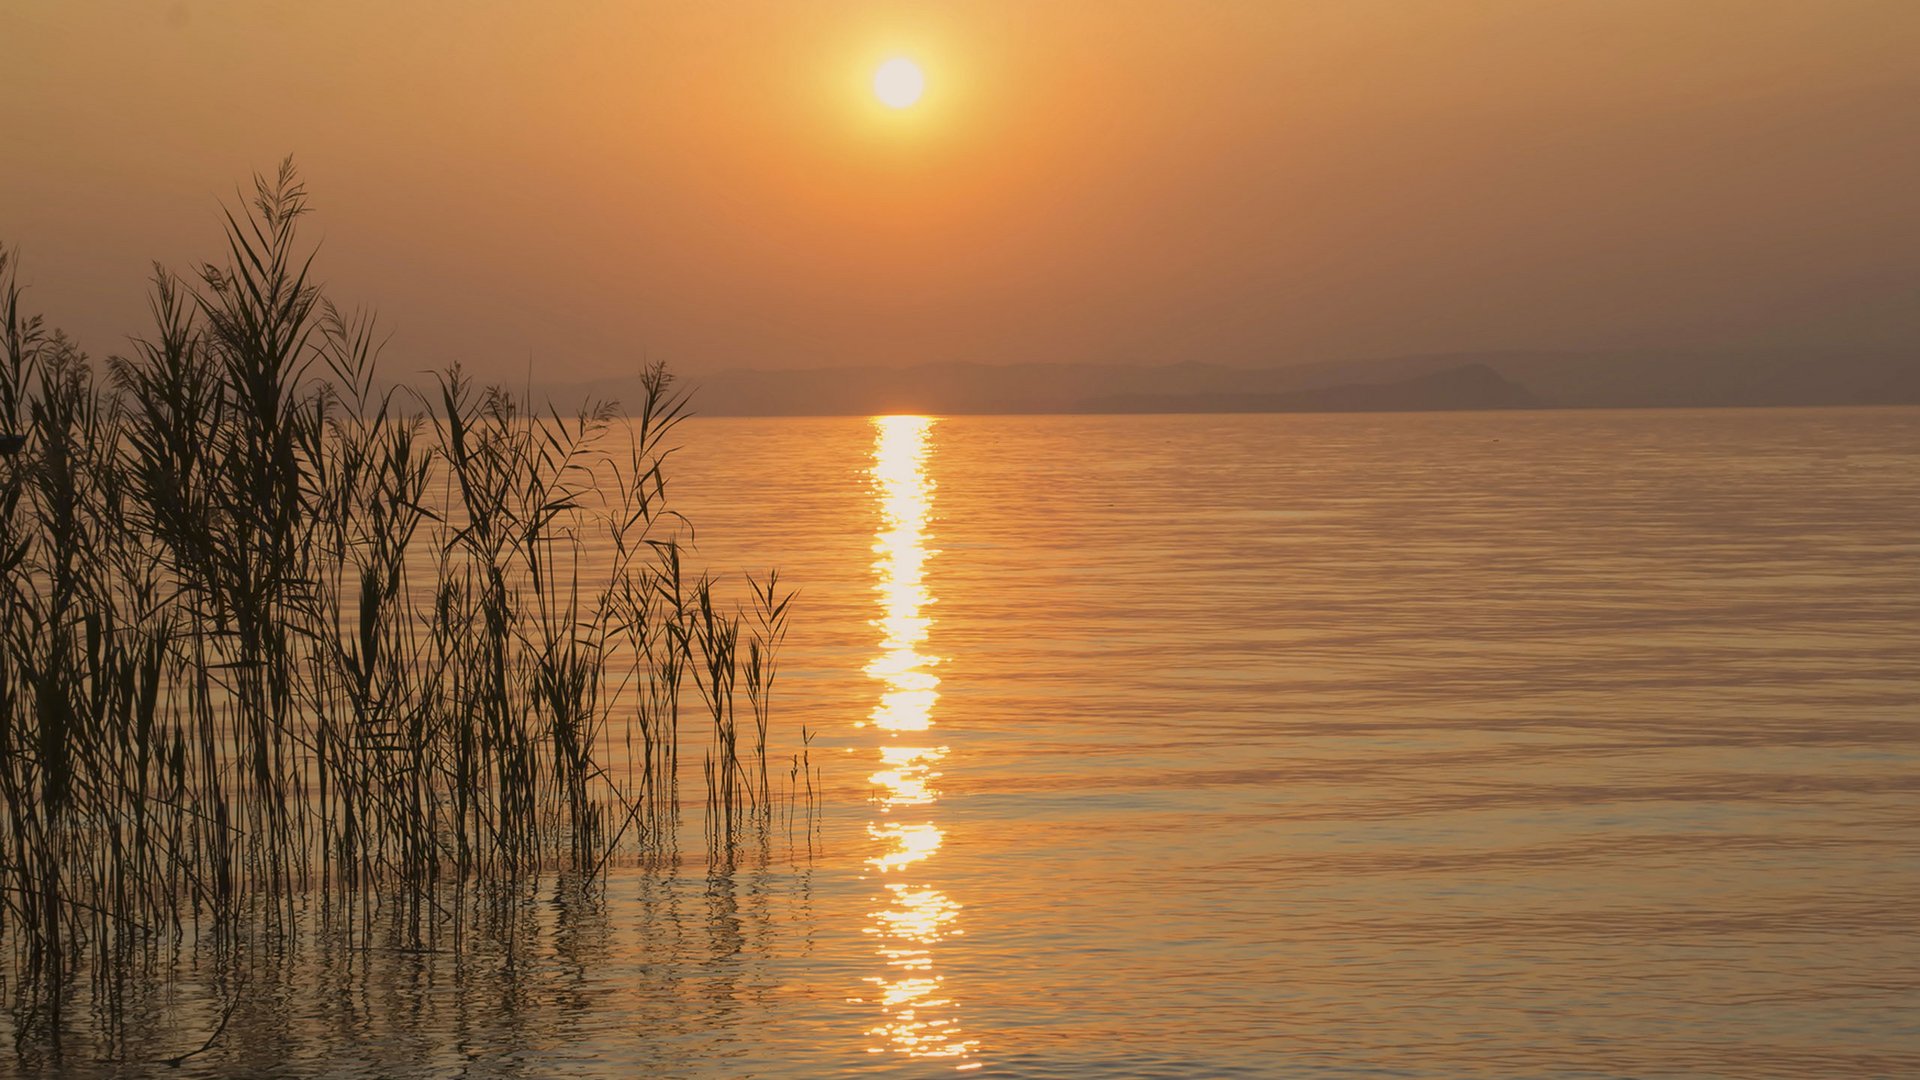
(271, 631)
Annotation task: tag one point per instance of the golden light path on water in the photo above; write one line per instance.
(917, 1015)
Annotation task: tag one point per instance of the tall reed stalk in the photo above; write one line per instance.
(271, 630)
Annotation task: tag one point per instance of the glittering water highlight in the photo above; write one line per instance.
(912, 917)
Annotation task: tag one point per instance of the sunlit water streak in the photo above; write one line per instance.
(917, 1016)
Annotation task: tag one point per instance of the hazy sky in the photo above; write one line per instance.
(578, 183)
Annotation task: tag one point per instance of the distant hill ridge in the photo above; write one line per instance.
(1424, 382)
(1470, 386)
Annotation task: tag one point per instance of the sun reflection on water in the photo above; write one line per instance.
(916, 1014)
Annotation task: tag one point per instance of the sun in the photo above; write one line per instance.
(898, 83)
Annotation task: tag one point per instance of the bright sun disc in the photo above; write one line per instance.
(898, 83)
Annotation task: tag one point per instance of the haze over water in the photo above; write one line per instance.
(1519, 744)
(1538, 737)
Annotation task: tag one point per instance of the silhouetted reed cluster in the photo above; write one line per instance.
(270, 630)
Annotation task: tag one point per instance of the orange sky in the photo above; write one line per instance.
(581, 183)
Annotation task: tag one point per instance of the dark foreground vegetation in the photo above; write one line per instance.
(279, 645)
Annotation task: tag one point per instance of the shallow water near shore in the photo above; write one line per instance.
(1504, 744)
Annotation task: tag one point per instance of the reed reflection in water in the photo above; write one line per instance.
(912, 917)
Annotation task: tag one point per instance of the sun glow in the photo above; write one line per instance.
(899, 83)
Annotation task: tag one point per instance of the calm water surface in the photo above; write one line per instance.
(1524, 744)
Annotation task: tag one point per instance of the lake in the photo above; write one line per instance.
(1517, 744)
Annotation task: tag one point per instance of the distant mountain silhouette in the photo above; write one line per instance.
(1677, 379)
(1433, 381)
(1470, 386)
